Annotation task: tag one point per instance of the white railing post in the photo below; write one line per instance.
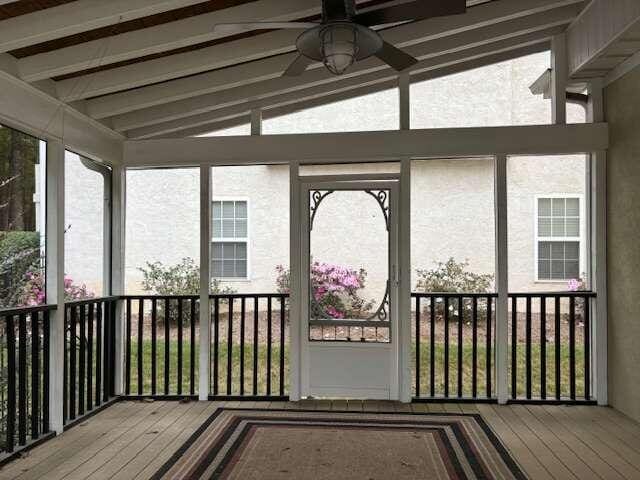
(205, 282)
(117, 277)
(404, 290)
(295, 283)
(502, 281)
(55, 279)
(597, 195)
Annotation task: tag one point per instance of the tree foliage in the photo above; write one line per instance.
(19, 257)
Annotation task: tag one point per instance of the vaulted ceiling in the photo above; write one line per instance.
(156, 68)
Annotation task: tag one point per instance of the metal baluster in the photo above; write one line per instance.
(514, 347)
(256, 305)
(474, 347)
(179, 375)
(460, 322)
(417, 346)
(192, 349)
(587, 348)
(167, 339)
(572, 347)
(90, 356)
(446, 346)
(557, 348)
(35, 375)
(543, 347)
(528, 346)
(242, 314)
(82, 360)
(154, 346)
(11, 384)
(230, 302)
(127, 381)
(22, 379)
(282, 345)
(269, 345)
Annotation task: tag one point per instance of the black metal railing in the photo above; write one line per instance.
(550, 346)
(161, 345)
(453, 338)
(248, 355)
(89, 355)
(24, 387)
(249, 345)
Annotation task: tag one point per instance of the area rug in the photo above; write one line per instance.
(293, 444)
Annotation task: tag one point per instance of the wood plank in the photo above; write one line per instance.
(589, 422)
(580, 448)
(607, 452)
(178, 440)
(543, 453)
(568, 458)
(69, 455)
(158, 443)
(82, 464)
(105, 420)
(139, 440)
(605, 421)
(518, 449)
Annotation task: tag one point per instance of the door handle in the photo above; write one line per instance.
(395, 275)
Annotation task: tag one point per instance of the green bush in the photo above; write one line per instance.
(180, 279)
(19, 255)
(452, 276)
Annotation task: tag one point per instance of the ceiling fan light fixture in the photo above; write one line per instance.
(339, 46)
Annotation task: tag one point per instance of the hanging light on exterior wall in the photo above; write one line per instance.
(339, 46)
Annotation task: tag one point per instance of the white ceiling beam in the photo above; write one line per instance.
(508, 35)
(206, 59)
(309, 98)
(26, 108)
(237, 76)
(77, 17)
(368, 146)
(159, 38)
(599, 28)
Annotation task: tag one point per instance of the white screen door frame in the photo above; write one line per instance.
(343, 369)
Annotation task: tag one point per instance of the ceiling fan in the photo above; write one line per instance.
(345, 36)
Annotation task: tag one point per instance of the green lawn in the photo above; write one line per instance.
(424, 369)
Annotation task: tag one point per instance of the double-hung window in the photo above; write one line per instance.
(558, 238)
(230, 228)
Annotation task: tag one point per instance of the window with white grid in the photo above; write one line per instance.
(230, 231)
(558, 238)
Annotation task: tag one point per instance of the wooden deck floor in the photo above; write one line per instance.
(132, 439)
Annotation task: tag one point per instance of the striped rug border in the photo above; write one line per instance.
(488, 431)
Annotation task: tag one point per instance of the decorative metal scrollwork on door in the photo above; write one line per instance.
(317, 311)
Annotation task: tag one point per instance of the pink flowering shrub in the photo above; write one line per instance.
(334, 288)
(34, 290)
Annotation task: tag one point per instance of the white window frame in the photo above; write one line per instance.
(246, 239)
(581, 239)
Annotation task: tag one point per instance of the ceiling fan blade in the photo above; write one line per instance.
(297, 67)
(417, 10)
(233, 28)
(395, 58)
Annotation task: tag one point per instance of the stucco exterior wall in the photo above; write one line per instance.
(453, 200)
(622, 100)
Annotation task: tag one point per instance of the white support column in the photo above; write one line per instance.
(205, 281)
(404, 290)
(404, 87)
(597, 200)
(55, 279)
(502, 282)
(295, 317)
(559, 75)
(117, 287)
(256, 122)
